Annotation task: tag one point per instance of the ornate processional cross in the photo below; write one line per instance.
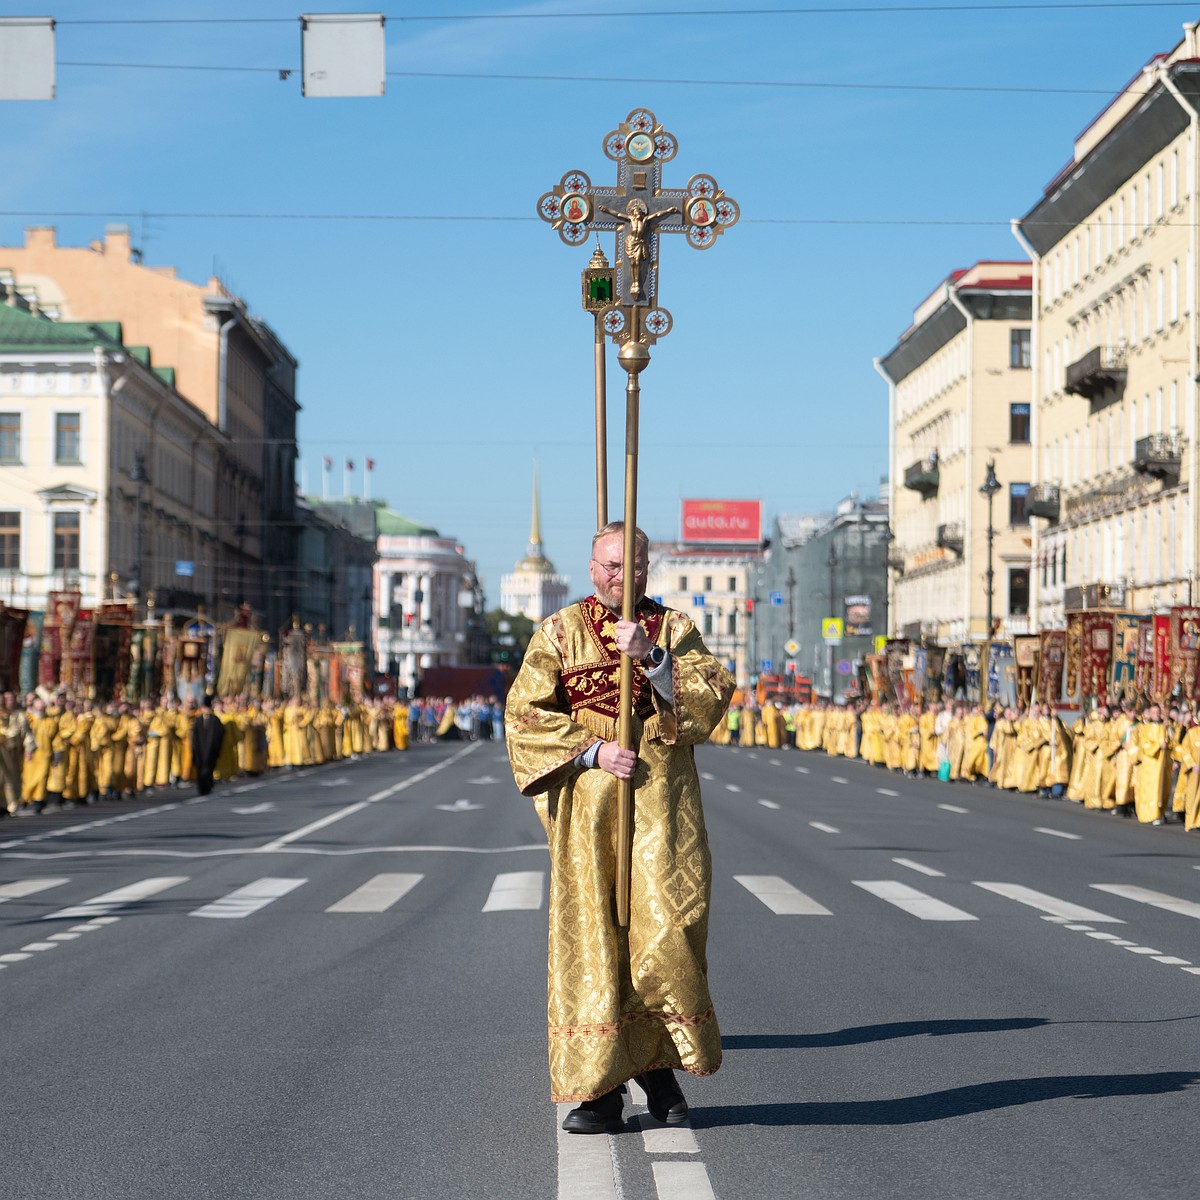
(638, 208)
(625, 302)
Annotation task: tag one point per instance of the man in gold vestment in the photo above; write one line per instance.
(623, 1003)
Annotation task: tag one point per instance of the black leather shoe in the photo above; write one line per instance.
(602, 1115)
(663, 1096)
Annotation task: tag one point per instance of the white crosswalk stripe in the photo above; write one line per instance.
(377, 895)
(249, 899)
(927, 908)
(1185, 908)
(20, 888)
(781, 897)
(515, 890)
(1048, 904)
(116, 901)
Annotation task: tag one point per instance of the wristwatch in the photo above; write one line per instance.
(655, 657)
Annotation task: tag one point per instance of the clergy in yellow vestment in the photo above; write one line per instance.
(622, 1002)
(1151, 766)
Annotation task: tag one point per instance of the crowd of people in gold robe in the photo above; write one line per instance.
(56, 751)
(1130, 760)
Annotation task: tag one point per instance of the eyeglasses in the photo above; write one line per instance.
(612, 570)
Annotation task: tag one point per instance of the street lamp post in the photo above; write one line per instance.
(832, 563)
(991, 485)
(139, 478)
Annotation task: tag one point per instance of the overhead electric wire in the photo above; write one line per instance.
(806, 85)
(806, 10)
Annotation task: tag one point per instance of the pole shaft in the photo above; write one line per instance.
(628, 607)
(601, 430)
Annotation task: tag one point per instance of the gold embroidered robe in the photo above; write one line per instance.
(620, 1001)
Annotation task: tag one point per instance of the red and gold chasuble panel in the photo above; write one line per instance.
(595, 686)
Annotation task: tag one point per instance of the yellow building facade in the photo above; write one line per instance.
(959, 399)
(1113, 246)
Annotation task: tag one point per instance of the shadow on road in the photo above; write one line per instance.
(861, 1034)
(954, 1102)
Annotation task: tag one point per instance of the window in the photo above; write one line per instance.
(732, 584)
(10, 437)
(1018, 422)
(683, 583)
(708, 587)
(708, 624)
(66, 541)
(1019, 348)
(66, 438)
(1016, 505)
(1018, 591)
(731, 624)
(10, 541)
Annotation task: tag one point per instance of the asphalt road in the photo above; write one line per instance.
(331, 983)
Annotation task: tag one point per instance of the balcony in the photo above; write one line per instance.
(1042, 500)
(1159, 455)
(1098, 370)
(1092, 596)
(923, 476)
(950, 537)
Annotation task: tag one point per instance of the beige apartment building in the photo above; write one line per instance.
(227, 363)
(959, 399)
(1113, 243)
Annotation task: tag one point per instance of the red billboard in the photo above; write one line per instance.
(730, 521)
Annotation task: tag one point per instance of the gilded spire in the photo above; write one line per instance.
(535, 531)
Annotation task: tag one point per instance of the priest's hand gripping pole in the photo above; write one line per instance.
(624, 300)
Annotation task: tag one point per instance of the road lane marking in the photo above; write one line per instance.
(1185, 908)
(682, 1181)
(377, 894)
(99, 906)
(886, 792)
(803, 770)
(14, 958)
(916, 866)
(1079, 928)
(823, 827)
(1191, 970)
(1058, 833)
(63, 937)
(663, 1139)
(954, 808)
(768, 804)
(1101, 936)
(34, 947)
(249, 899)
(837, 779)
(707, 776)
(288, 838)
(587, 1169)
(781, 897)
(1171, 961)
(732, 787)
(775, 762)
(1142, 950)
(27, 887)
(911, 901)
(1062, 909)
(515, 890)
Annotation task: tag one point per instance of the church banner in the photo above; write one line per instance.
(1074, 662)
(1026, 647)
(1051, 661)
(111, 644)
(1096, 653)
(1126, 637)
(12, 644)
(236, 657)
(1185, 647)
(1161, 679)
(1144, 679)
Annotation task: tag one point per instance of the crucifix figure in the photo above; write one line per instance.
(636, 250)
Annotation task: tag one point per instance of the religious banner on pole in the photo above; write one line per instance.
(236, 657)
(76, 673)
(112, 643)
(351, 669)
(1097, 654)
(1051, 660)
(1127, 629)
(972, 657)
(1161, 677)
(12, 644)
(1074, 663)
(1025, 651)
(1185, 648)
(1144, 678)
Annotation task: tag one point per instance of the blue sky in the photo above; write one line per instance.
(446, 341)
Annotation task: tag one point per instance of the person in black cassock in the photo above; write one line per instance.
(207, 735)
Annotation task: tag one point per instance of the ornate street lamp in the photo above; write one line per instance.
(991, 485)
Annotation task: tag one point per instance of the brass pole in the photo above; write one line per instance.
(601, 429)
(633, 357)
